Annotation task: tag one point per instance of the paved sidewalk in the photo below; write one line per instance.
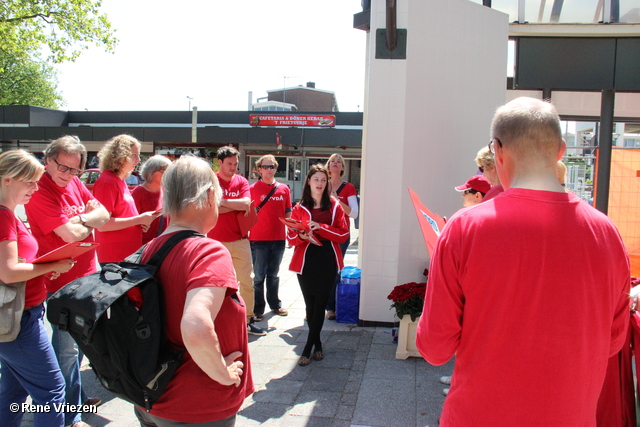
(359, 383)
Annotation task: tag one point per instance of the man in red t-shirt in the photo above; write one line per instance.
(236, 197)
(267, 236)
(64, 211)
(532, 338)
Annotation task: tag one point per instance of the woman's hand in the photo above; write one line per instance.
(147, 218)
(314, 225)
(61, 266)
(234, 369)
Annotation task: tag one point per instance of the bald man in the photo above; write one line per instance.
(529, 290)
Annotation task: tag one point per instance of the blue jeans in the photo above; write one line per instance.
(331, 302)
(266, 255)
(69, 358)
(28, 367)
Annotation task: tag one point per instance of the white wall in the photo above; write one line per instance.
(425, 119)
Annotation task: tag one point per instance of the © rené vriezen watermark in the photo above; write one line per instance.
(52, 407)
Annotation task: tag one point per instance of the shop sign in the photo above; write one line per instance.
(291, 120)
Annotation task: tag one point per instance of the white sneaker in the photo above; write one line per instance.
(445, 391)
(446, 380)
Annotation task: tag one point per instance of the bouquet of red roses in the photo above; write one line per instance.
(409, 298)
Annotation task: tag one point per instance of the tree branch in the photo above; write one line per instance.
(43, 16)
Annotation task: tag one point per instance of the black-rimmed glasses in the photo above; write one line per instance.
(491, 144)
(63, 169)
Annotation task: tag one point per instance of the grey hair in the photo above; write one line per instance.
(68, 144)
(187, 181)
(154, 164)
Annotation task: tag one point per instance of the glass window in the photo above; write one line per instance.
(295, 169)
(629, 11)
(567, 11)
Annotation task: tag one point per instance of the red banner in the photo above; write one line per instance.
(431, 224)
(291, 120)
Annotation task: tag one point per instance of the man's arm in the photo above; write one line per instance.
(228, 205)
(74, 230)
(440, 326)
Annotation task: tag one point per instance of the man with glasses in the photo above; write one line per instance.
(529, 290)
(236, 196)
(60, 212)
(268, 236)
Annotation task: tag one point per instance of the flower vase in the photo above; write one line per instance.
(407, 338)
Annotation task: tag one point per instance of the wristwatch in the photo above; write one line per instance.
(83, 219)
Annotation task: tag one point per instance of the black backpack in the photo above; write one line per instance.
(125, 345)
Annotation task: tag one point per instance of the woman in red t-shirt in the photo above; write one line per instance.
(346, 194)
(148, 196)
(316, 265)
(204, 313)
(28, 365)
(122, 234)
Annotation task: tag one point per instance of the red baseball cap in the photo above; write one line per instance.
(477, 182)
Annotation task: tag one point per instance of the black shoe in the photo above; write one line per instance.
(255, 330)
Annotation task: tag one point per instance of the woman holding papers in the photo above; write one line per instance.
(316, 264)
(28, 365)
(122, 234)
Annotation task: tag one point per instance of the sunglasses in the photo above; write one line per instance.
(469, 191)
(492, 145)
(481, 169)
(268, 166)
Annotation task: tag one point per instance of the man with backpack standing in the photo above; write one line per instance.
(267, 236)
(236, 198)
(64, 211)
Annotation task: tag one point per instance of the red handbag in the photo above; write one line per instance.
(247, 219)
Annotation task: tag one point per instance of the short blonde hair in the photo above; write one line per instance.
(116, 152)
(485, 158)
(562, 172)
(187, 180)
(339, 157)
(20, 165)
(265, 157)
(528, 127)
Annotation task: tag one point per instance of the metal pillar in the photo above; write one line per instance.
(605, 143)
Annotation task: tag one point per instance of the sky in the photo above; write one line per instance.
(216, 52)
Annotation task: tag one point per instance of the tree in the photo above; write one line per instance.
(26, 81)
(64, 27)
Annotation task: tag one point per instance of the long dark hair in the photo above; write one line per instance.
(306, 200)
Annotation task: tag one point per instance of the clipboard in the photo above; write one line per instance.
(300, 226)
(70, 250)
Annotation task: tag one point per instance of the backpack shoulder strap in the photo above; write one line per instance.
(164, 250)
(341, 187)
(266, 199)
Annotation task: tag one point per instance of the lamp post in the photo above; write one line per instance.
(190, 98)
